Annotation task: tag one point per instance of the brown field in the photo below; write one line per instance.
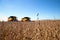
(38, 30)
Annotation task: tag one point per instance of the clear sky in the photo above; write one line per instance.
(47, 9)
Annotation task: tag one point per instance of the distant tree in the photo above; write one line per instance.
(25, 19)
(12, 18)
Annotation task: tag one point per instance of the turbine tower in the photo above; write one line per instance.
(37, 16)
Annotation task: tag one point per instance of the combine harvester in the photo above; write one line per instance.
(14, 18)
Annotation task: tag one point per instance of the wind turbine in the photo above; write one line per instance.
(37, 16)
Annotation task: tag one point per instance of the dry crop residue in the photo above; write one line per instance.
(38, 30)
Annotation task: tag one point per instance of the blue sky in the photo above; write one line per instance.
(47, 9)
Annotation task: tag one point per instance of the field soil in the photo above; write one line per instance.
(35, 30)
